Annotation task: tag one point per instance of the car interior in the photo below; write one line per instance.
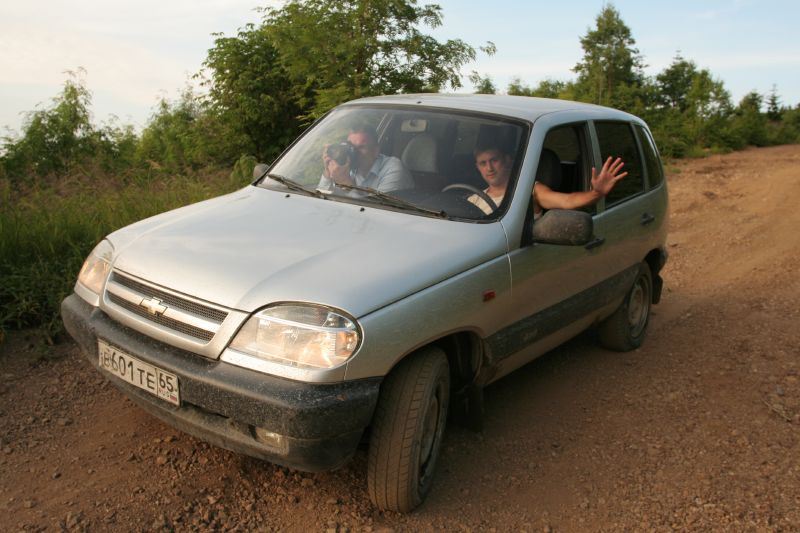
(439, 152)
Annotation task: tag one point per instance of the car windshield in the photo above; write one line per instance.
(424, 161)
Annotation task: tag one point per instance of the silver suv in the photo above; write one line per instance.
(372, 279)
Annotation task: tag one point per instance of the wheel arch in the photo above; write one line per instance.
(464, 351)
(656, 259)
(465, 357)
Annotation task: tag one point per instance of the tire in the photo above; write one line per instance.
(407, 431)
(625, 329)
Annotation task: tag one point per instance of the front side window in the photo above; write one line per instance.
(616, 140)
(563, 163)
(425, 162)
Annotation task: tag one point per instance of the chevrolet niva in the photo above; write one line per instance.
(402, 254)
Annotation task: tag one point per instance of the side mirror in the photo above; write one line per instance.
(561, 226)
(259, 169)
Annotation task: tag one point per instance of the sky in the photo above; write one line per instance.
(136, 52)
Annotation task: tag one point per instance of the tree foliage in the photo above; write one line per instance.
(675, 82)
(774, 111)
(482, 84)
(750, 123)
(337, 50)
(516, 87)
(61, 137)
(610, 61)
(267, 82)
(56, 137)
(174, 139)
(272, 79)
(251, 93)
(547, 88)
(688, 109)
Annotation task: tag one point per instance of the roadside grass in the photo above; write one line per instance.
(48, 228)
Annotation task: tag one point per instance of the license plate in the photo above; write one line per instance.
(136, 372)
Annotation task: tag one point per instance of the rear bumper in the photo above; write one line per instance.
(310, 427)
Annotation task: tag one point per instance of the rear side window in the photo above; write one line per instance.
(655, 173)
(616, 140)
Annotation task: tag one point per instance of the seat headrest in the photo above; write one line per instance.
(549, 171)
(420, 154)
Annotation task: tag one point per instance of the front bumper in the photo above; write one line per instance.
(313, 427)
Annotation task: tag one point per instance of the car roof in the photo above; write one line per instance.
(524, 107)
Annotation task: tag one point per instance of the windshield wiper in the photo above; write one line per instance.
(292, 185)
(394, 201)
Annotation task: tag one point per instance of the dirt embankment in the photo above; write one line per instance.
(698, 430)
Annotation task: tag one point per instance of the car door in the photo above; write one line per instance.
(554, 287)
(629, 214)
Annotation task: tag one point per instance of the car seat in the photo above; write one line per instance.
(549, 171)
(421, 158)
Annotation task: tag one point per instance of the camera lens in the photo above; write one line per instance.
(342, 153)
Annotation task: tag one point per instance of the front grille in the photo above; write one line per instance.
(192, 331)
(171, 300)
(189, 317)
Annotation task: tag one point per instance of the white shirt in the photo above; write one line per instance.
(481, 203)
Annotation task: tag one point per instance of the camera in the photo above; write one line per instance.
(343, 153)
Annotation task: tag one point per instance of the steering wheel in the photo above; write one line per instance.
(483, 196)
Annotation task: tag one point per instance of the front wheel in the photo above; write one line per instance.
(625, 329)
(407, 431)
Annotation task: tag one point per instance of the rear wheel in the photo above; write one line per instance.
(625, 329)
(407, 431)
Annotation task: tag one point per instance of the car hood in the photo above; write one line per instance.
(258, 246)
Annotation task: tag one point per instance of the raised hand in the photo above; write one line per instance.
(608, 177)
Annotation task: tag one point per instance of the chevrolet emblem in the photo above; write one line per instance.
(153, 306)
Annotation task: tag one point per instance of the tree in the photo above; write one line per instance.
(609, 60)
(53, 139)
(708, 97)
(774, 105)
(251, 94)
(675, 82)
(547, 88)
(337, 50)
(177, 136)
(690, 110)
(517, 88)
(709, 113)
(750, 122)
(116, 145)
(483, 85)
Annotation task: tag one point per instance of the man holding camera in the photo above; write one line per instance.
(359, 162)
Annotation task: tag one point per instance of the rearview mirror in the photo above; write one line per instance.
(561, 226)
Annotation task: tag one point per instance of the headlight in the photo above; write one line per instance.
(298, 335)
(96, 267)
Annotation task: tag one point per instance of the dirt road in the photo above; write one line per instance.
(698, 430)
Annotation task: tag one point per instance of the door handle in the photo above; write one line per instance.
(647, 218)
(597, 241)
